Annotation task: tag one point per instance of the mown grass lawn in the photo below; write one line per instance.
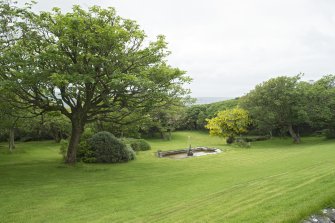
(273, 181)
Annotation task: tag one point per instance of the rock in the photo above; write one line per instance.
(330, 213)
(319, 219)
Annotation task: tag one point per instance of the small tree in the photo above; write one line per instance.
(11, 117)
(8, 123)
(229, 123)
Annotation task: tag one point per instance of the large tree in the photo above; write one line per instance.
(320, 103)
(86, 64)
(277, 104)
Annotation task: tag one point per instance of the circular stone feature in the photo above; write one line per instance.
(186, 153)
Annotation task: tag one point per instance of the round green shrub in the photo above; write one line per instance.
(84, 152)
(140, 145)
(108, 149)
(131, 153)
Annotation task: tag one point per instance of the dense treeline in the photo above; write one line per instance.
(288, 105)
(281, 106)
(195, 116)
(158, 123)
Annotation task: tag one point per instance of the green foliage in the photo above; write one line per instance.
(230, 140)
(330, 133)
(56, 125)
(84, 151)
(320, 102)
(140, 145)
(164, 120)
(213, 108)
(12, 117)
(196, 115)
(131, 153)
(277, 104)
(286, 104)
(87, 64)
(160, 119)
(229, 123)
(108, 149)
(194, 119)
(242, 144)
(63, 148)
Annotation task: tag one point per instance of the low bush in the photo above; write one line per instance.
(242, 144)
(108, 149)
(140, 145)
(102, 147)
(84, 152)
(127, 141)
(131, 153)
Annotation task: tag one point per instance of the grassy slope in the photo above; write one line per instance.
(274, 181)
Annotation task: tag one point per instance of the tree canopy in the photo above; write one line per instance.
(277, 103)
(320, 104)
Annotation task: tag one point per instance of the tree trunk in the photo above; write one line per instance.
(162, 135)
(11, 139)
(77, 130)
(295, 137)
(170, 135)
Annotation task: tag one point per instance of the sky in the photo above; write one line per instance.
(229, 46)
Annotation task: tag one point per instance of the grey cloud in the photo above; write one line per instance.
(229, 46)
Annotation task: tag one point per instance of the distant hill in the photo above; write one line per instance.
(209, 100)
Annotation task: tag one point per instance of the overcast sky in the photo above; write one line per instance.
(228, 46)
